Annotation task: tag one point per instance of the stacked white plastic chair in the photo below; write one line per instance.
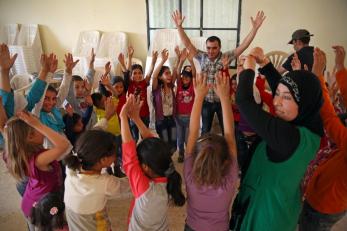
(10, 32)
(111, 44)
(86, 41)
(28, 47)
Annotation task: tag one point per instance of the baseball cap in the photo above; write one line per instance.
(299, 34)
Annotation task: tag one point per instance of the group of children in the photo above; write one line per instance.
(58, 158)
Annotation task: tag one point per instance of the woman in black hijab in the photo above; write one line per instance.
(269, 197)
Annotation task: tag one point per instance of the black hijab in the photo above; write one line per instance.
(307, 92)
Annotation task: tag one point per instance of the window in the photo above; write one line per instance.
(204, 18)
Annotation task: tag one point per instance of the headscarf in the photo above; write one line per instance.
(307, 93)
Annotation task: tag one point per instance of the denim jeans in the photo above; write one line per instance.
(312, 220)
(208, 111)
(166, 127)
(182, 124)
(135, 130)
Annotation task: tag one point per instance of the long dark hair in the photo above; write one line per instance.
(155, 153)
(90, 147)
(48, 213)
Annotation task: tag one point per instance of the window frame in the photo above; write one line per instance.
(201, 28)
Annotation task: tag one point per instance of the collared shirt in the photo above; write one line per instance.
(211, 68)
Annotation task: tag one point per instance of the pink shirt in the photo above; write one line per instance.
(40, 183)
(184, 99)
(208, 207)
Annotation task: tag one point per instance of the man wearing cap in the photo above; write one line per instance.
(211, 63)
(300, 41)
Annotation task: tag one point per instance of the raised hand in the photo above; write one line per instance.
(258, 54)
(319, 62)
(340, 55)
(178, 52)
(44, 61)
(164, 55)
(53, 64)
(6, 61)
(154, 56)
(184, 54)
(121, 60)
(87, 86)
(296, 64)
(200, 85)
(222, 86)
(107, 68)
(69, 109)
(91, 59)
(259, 19)
(69, 63)
(110, 108)
(134, 111)
(105, 80)
(225, 61)
(130, 51)
(177, 18)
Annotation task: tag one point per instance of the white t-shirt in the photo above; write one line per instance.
(87, 194)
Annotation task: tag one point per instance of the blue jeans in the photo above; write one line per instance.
(312, 220)
(208, 111)
(166, 125)
(135, 130)
(182, 124)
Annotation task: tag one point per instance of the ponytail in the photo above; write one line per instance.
(72, 161)
(174, 189)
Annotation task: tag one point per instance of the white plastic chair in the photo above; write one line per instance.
(86, 41)
(10, 32)
(28, 47)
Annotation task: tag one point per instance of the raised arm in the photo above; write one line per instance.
(178, 20)
(3, 117)
(191, 62)
(181, 57)
(222, 89)
(269, 128)
(91, 70)
(151, 68)
(200, 89)
(60, 143)
(105, 79)
(130, 57)
(341, 72)
(164, 57)
(332, 123)
(6, 62)
(256, 23)
(65, 83)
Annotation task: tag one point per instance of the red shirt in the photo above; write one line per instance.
(121, 102)
(184, 99)
(140, 88)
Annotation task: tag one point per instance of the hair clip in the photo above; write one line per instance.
(34, 204)
(53, 211)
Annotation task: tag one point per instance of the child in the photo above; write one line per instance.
(27, 158)
(86, 189)
(153, 179)
(210, 166)
(48, 213)
(184, 100)
(164, 100)
(80, 88)
(137, 85)
(50, 113)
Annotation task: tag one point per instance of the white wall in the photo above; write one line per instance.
(62, 20)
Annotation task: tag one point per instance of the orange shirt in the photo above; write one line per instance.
(327, 190)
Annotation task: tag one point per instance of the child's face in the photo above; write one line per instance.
(108, 160)
(79, 89)
(167, 77)
(186, 80)
(137, 75)
(119, 88)
(50, 101)
(78, 127)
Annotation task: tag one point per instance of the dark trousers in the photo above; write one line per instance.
(135, 130)
(312, 220)
(167, 127)
(208, 111)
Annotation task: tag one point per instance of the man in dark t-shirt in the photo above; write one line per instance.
(300, 40)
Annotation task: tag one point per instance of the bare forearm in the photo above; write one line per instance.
(155, 75)
(228, 122)
(58, 140)
(125, 130)
(186, 41)
(245, 43)
(5, 80)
